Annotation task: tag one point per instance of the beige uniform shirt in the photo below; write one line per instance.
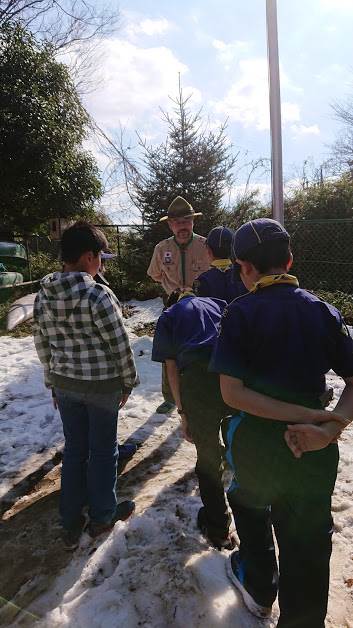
(176, 267)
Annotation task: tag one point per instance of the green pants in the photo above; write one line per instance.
(202, 402)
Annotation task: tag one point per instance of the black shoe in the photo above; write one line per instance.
(71, 536)
(126, 451)
(219, 541)
(123, 511)
(166, 407)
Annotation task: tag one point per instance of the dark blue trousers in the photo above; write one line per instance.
(274, 489)
(89, 467)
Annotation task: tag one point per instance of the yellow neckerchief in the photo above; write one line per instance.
(273, 280)
(221, 264)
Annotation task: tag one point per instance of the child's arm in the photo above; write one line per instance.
(41, 343)
(302, 438)
(108, 319)
(174, 383)
(238, 396)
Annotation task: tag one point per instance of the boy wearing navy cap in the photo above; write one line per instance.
(222, 279)
(277, 343)
(184, 337)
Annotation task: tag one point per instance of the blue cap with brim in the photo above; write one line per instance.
(219, 240)
(256, 232)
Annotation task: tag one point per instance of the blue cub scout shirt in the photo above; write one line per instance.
(187, 331)
(219, 284)
(281, 341)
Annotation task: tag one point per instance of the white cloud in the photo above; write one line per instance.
(302, 129)
(239, 190)
(247, 101)
(149, 27)
(228, 53)
(335, 73)
(337, 5)
(136, 81)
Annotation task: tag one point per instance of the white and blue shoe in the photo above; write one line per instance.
(234, 574)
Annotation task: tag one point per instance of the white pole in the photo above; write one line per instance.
(275, 111)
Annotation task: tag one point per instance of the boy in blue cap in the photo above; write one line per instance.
(184, 337)
(277, 343)
(222, 279)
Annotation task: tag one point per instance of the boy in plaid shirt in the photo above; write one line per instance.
(82, 343)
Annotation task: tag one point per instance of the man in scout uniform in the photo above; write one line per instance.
(222, 279)
(276, 344)
(184, 337)
(176, 262)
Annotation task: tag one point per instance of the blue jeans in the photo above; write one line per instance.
(90, 455)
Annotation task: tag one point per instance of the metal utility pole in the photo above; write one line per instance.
(275, 111)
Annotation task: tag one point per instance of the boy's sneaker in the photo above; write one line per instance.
(233, 573)
(227, 542)
(165, 407)
(126, 451)
(123, 511)
(71, 536)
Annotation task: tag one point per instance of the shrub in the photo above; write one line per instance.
(42, 264)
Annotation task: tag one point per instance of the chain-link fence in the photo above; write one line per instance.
(322, 249)
(323, 253)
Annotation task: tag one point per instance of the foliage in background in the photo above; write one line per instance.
(194, 162)
(42, 264)
(247, 207)
(331, 199)
(44, 172)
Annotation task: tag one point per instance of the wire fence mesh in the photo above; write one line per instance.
(322, 249)
(323, 253)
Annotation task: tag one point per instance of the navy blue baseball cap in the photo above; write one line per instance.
(256, 232)
(219, 240)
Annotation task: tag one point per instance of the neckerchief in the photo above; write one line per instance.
(273, 280)
(182, 249)
(221, 264)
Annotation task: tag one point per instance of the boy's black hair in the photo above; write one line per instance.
(80, 238)
(269, 255)
(220, 252)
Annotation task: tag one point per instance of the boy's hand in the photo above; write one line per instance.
(123, 400)
(185, 428)
(306, 437)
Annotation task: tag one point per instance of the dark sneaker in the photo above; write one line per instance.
(220, 542)
(123, 511)
(165, 407)
(71, 536)
(235, 576)
(126, 451)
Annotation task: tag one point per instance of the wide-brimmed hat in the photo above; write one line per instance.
(180, 208)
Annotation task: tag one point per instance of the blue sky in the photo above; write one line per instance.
(219, 47)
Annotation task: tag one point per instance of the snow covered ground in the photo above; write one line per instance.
(155, 570)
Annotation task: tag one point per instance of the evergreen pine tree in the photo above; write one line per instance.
(194, 162)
